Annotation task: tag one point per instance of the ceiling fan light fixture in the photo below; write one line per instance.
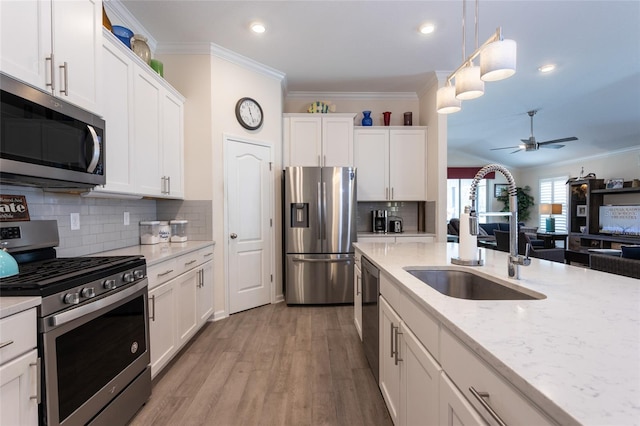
(498, 60)
(446, 102)
(468, 83)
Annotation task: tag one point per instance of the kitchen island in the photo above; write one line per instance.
(575, 354)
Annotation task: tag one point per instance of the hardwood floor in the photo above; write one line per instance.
(272, 365)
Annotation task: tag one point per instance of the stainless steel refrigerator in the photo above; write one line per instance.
(319, 229)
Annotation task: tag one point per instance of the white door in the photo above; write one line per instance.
(249, 198)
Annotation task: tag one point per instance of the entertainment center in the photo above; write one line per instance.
(586, 197)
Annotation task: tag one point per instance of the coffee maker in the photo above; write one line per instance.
(379, 218)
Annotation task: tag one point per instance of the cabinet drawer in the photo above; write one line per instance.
(390, 292)
(424, 326)
(467, 370)
(17, 334)
(188, 261)
(162, 272)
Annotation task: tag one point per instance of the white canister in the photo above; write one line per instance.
(179, 231)
(165, 231)
(149, 232)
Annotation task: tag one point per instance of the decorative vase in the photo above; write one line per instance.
(367, 120)
(387, 117)
(141, 48)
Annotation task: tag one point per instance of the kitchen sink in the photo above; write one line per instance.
(465, 285)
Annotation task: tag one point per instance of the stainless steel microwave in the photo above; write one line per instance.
(47, 142)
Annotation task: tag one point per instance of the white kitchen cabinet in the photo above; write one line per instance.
(391, 163)
(455, 410)
(172, 138)
(19, 369)
(357, 294)
(388, 359)
(318, 139)
(180, 302)
(54, 45)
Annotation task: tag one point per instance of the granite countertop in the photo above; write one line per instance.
(13, 304)
(575, 353)
(155, 253)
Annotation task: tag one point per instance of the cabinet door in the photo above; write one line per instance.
(205, 293)
(420, 376)
(186, 290)
(172, 145)
(305, 141)
(389, 369)
(25, 41)
(407, 165)
(77, 46)
(357, 300)
(18, 384)
(162, 325)
(117, 106)
(455, 410)
(337, 141)
(147, 99)
(371, 148)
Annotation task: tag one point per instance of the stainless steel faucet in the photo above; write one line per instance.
(515, 260)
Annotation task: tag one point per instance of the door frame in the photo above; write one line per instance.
(227, 140)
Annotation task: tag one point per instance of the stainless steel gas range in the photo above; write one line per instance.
(93, 331)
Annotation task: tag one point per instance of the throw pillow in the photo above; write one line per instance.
(482, 231)
(631, 252)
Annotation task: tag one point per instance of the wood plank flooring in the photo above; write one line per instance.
(272, 365)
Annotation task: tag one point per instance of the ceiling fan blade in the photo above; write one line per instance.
(505, 147)
(517, 150)
(572, 138)
(553, 146)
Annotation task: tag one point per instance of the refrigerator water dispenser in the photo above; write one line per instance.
(299, 215)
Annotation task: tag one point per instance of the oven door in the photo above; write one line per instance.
(92, 353)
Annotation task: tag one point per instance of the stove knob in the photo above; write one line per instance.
(138, 273)
(109, 284)
(71, 298)
(128, 277)
(88, 292)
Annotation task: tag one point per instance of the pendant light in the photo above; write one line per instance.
(468, 82)
(446, 102)
(498, 60)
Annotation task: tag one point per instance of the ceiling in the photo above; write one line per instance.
(374, 46)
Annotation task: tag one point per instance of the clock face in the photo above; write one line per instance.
(249, 113)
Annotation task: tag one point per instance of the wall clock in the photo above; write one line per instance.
(249, 113)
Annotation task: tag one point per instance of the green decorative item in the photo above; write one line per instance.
(525, 202)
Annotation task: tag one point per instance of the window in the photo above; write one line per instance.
(554, 191)
(458, 197)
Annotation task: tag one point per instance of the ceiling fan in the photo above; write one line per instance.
(531, 144)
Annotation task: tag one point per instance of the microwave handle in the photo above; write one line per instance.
(96, 150)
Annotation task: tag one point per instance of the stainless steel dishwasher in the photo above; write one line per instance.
(370, 316)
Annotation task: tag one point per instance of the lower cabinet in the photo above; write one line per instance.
(388, 359)
(179, 307)
(357, 294)
(454, 408)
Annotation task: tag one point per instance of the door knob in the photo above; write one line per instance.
(234, 235)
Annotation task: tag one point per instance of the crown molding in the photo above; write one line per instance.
(245, 62)
(412, 96)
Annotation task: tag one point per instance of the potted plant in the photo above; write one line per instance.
(525, 202)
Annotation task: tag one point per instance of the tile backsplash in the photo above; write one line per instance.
(102, 219)
(411, 213)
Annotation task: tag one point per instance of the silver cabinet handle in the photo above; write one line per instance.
(324, 161)
(358, 282)
(391, 333)
(480, 396)
(153, 311)
(64, 67)
(7, 343)
(191, 262)
(392, 192)
(386, 192)
(162, 274)
(233, 235)
(168, 184)
(52, 70)
(337, 260)
(208, 254)
(37, 395)
(397, 333)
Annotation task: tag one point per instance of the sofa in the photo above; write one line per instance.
(628, 264)
(552, 254)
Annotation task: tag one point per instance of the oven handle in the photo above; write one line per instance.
(96, 150)
(81, 311)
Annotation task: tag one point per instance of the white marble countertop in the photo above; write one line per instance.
(10, 305)
(576, 353)
(396, 234)
(155, 253)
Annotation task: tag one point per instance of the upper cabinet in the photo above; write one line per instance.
(54, 45)
(145, 127)
(391, 163)
(321, 140)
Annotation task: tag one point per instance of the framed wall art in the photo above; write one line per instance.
(581, 211)
(498, 188)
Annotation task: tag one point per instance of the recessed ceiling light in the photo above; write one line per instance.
(547, 68)
(258, 28)
(427, 28)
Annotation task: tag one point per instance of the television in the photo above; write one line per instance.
(620, 220)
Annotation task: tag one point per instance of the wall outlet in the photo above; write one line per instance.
(126, 219)
(75, 221)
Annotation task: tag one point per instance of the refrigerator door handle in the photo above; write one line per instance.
(340, 260)
(319, 212)
(324, 210)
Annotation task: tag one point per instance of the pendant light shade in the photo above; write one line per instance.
(498, 60)
(446, 102)
(468, 83)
